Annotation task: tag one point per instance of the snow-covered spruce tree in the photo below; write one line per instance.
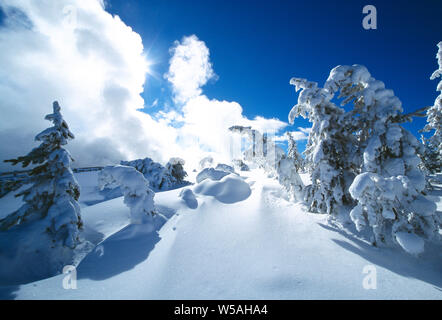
(433, 152)
(293, 153)
(328, 149)
(431, 158)
(390, 186)
(176, 172)
(54, 192)
(135, 188)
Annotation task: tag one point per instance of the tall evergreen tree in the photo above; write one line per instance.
(54, 191)
(433, 154)
(390, 187)
(328, 148)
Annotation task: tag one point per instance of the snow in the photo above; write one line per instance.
(212, 174)
(10, 202)
(262, 247)
(423, 207)
(229, 189)
(410, 242)
(225, 167)
(189, 198)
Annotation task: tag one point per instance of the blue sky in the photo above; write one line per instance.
(257, 46)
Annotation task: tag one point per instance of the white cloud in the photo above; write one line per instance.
(190, 68)
(302, 134)
(92, 63)
(205, 122)
(95, 66)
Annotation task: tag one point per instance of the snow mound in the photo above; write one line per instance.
(225, 167)
(210, 173)
(229, 189)
(189, 198)
(410, 242)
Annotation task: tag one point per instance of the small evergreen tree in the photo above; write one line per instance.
(54, 192)
(293, 153)
(137, 194)
(175, 168)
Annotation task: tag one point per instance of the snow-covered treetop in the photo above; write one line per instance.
(51, 139)
(434, 117)
(176, 160)
(310, 97)
(370, 97)
(313, 102)
(59, 133)
(438, 72)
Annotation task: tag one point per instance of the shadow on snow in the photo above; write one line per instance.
(426, 268)
(119, 253)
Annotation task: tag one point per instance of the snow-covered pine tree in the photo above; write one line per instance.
(433, 152)
(176, 172)
(54, 192)
(431, 158)
(136, 190)
(293, 153)
(328, 148)
(390, 188)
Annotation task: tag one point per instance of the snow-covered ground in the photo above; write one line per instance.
(235, 244)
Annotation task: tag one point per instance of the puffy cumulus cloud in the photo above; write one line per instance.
(89, 60)
(190, 68)
(94, 64)
(204, 123)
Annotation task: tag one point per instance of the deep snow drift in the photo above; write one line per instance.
(235, 238)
